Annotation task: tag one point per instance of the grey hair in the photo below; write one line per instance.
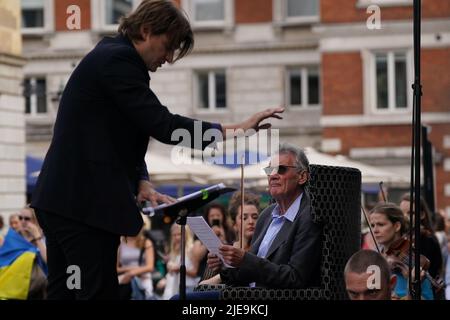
(301, 160)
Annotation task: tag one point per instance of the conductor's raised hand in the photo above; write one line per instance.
(146, 192)
(254, 122)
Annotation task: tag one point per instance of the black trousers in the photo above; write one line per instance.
(73, 246)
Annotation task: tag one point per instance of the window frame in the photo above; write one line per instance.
(212, 94)
(98, 15)
(371, 89)
(33, 98)
(280, 16)
(384, 3)
(49, 17)
(226, 23)
(304, 87)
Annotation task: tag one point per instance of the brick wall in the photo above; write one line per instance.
(253, 11)
(436, 89)
(396, 136)
(369, 136)
(342, 83)
(442, 177)
(333, 11)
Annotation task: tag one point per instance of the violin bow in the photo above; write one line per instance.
(382, 192)
(371, 231)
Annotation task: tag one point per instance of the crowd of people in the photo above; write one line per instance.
(281, 241)
(391, 226)
(86, 216)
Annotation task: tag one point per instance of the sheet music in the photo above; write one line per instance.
(206, 235)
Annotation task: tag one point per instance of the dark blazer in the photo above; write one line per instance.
(293, 259)
(96, 158)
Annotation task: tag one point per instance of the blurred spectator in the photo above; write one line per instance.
(2, 226)
(441, 235)
(24, 271)
(171, 281)
(216, 215)
(357, 272)
(15, 222)
(31, 230)
(251, 213)
(135, 264)
(2, 230)
(447, 277)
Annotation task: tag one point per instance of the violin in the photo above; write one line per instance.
(398, 258)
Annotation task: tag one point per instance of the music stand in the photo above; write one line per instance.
(179, 211)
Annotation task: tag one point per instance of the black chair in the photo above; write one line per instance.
(336, 202)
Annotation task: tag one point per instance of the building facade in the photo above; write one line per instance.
(367, 75)
(249, 55)
(12, 122)
(345, 85)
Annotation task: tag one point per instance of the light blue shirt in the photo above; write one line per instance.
(277, 223)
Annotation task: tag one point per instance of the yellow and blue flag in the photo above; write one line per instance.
(17, 257)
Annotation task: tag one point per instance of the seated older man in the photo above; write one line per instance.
(287, 245)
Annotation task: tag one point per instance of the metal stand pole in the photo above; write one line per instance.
(182, 222)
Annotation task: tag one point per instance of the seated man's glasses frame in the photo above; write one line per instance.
(281, 169)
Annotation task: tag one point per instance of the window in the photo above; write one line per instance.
(35, 93)
(302, 8)
(391, 81)
(211, 90)
(115, 9)
(208, 10)
(383, 3)
(210, 13)
(32, 13)
(287, 12)
(303, 86)
(107, 13)
(37, 16)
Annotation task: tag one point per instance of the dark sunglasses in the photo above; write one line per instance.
(24, 218)
(281, 169)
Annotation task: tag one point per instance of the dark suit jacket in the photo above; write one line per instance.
(106, 115)
(293, 259)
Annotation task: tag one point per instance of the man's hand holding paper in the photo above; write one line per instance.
(208, 237)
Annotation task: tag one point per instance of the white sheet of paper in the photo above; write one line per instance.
(206, 235)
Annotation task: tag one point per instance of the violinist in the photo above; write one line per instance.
(389, 228)
(429, 245)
